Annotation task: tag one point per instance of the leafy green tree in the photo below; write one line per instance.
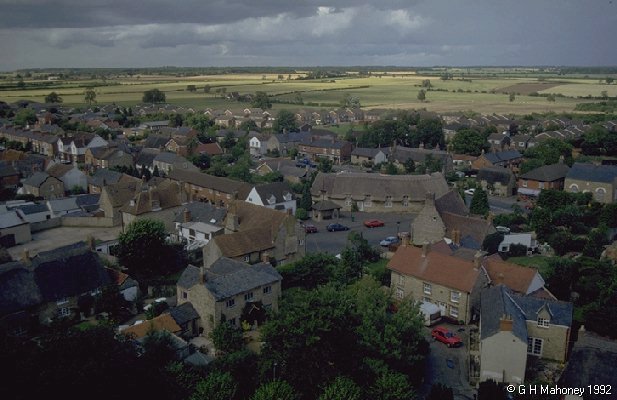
(191, 88)
(469, 141)
(350, 101)
(491, 242)
(201, 123)
(342, 388)
(301, 214)
(89, 96)
(599, 141)
(248, 126)
(550, 98)
(325, 165)
(440, 392)
(153, 96)
(285, 122)
(110, 301)
(422, 95)
(53, 97)
(596, 240)
(310, 271)
(217, 386)
(491, 390)
(25, 116)
(159, 349)
(143, 250)
(512, 97)
(207, 88)
(479, 203)
(279, 390)
(392, 386)
(227, 338)
(261, 100)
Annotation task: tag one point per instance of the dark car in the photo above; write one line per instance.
(443, 335)
(373, 223)
(337, 227)
(310, 228)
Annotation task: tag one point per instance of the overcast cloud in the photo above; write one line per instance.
(125, 33)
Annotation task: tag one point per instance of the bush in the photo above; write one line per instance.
(301, 214)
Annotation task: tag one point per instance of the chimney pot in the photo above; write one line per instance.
(186, 215)
(425, 249)
(505, 323)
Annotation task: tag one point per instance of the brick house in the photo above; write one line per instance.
(315, 148)
(549, 177)
(199, 186)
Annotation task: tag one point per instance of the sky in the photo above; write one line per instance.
(201, 33)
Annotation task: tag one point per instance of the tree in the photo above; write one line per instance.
(153, 96)
(218, 385)
(261, 100)
(609, 80)
(207, 88)
(440, 392)
(325, 165)
(248, 125)
(227, 338)
(342, 388)
(279, 390)
(53, 97)
(285, 122)
(469, 141)
(479, 203)
(512, 97)
(409, 165)
(491, 390)
(310, 271)
(350, 101)
(426, 83)
(491, 242)
(422, 95)
(551, 98)
(25, 116)
(21, 84)
(89, 96)
(191, 88)
(392, 386)
(143, 250)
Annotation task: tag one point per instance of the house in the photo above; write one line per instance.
(60, 207)
(115, 196)
(101, 178)
(288, 168)
(258, 144)
(325, 209)
(525, 281)
(549, 177)
(107, 157)
(376, 192)
(70, 176)
(33, 212)
(200, 186)
(41, 184)
(161, 323)
(316, 147)
(73, 148)
(399, 155)
(160, 201)
(127, 286)
(45, 144)
(514, 328)
(428, 226)
(211, 149)
(145, 159)
(522, 239)
(198, 223)
(50, 286)
(497, 181)
(14, 228)
(365, 155)
(600, 180)
(166, 162)
(588, 365)
(284, 142)
(9, 176)
(465, 230)
(507, 159)
(230, 291)
(275, 195)
(452, 283)
(255, 233)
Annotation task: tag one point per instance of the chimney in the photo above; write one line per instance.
(505, 323)
(405, 240)
(456, 237)
(25, 256)
(202, 274)
(426, 248)
(265, 257)
(91, 243)
(477, 259)
(186, 215)
(430, 198)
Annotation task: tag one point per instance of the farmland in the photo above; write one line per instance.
(483, 94)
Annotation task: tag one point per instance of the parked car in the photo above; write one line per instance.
(304, 163)
(470, 191)
(310, 228)
(337, 227)
(443, 335)
(502, 229)
(373, 223)
(389, 240)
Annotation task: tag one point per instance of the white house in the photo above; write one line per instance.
(73, 148)
(197, 234)
(525, 239)
(258, 144)
(70, 176)
(276, 195)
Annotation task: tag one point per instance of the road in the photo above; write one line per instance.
(335, 242)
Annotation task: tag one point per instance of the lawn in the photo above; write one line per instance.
(539, 262)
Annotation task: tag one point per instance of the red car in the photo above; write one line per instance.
(373, 223)
(445, 336)
(310, 229)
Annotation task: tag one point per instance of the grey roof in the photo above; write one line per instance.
(189, 277)
(324, 143)
(500, 300)
(592, 172)
(156, 141)
(227, 278)
(104, 176)
(87, 199)
(202, 212)
(276, 189)
(369, 151)
(292, 137)
(503, 156)
(18, 290)
(146, 156)
(402, 154)
(451, 202)
(28, 209)
(68, 203)
(8, 170)
(169, 158)
(36, 179)
(547, 173)
(10, 219)
(495, 174)
(183, 313)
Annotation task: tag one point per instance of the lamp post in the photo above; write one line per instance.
(398, 224)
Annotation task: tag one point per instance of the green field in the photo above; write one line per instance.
(479, 94)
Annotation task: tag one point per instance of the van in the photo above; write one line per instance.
(430, 312)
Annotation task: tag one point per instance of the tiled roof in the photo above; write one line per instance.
(472, 230)
(435, 267)
(227, 278)
(163, 322)
(516, 277)
(547, 173)
(593, 173)
(493, 175)
(503, 156)
(183, 313)
(223, 185)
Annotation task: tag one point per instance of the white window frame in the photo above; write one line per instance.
(405, 201)
(247, 258)
(367, 201)
(543, 322)
(388, 202)
(401, 280)
(535, 346)
(231, 303)
(455, 296)
(64, 312)
(248, 296)
(267, 290)
(453, 311)
(400, 293)
(427, 288)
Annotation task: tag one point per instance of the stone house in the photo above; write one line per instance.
(166, 162)
(374, 156)
(254, 233)
(229, 291)
(258, 144)
(115, 196)
(288, 168)
(41, 184)
(507, 159)
(514, 328)
(70, 176)
(497, 181)
(284, 142)
(107, 157)
(549, 177)
(376, 192)
(199, 223)
(73, 148)
(316, 147)
(399, 155)
(219, 191)
(600, 180)
(14, 228)
(452, 283)
(160, 201)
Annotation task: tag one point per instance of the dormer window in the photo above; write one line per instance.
(272, 199)
(543, 322)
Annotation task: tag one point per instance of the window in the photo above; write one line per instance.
(600, 192)
(267, 289)
(426, 287)
(247, 258)
(367, 201)
(248, 296)
(524, 183)
(348, 201)
(64, 312)
(388, 202)
(301, 242)
(455, 296)
(401, 280)
(185, 295)
(230, 303)
(232, 322)
(454, 312)
(543, 322)
(405, 201)
(427, 299)
(574, 188)
(534, 346)
(400, 293)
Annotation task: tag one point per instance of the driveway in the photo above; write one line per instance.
(449, 366)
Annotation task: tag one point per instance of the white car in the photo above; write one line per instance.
(470, 191)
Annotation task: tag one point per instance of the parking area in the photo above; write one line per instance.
(56, 237)
(449, 366)
(335, 242)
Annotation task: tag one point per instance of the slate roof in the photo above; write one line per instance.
(7, 170)
(369, 151)
(493, 175)
(547, 173)
(36, 179)
(503, 156)
(325, 205)
(402, 154)
(323, 143)
(28, 209)
(223, 185)
(59, 170)
(146, 157)
(203, 212)
(291, 137)
(183, 313)
(10, 219)
(66, 204)
(156, 141)
(169, 158)
(593, 173)
(104, 176)
(18, 289)
(435, 267)
(227, 278)
(451, 202)
(276, 189)
(84, 200)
